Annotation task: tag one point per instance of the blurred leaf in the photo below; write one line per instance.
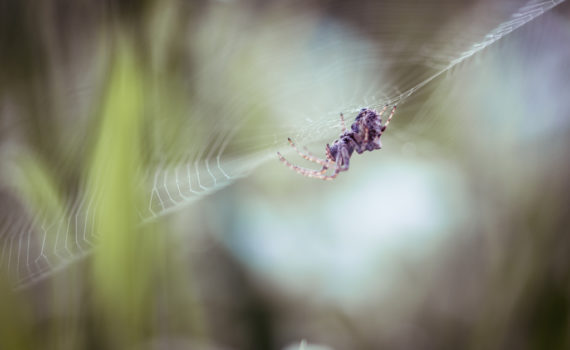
(123, 261)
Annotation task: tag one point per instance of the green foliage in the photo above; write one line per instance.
(123, 260)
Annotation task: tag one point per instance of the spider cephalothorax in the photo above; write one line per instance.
(364, 135)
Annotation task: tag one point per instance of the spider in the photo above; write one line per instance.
(364, 135)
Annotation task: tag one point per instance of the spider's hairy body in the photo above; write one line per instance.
(363, 135)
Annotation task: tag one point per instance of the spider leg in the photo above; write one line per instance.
(345, 157)
(303, 171)
(333, 176)
(383, 110)
(308, 156)
(342, 123)
(389, 118)
(324, 177)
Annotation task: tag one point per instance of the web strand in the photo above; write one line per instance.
(34, 245)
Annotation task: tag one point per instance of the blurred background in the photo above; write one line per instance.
(143, 206)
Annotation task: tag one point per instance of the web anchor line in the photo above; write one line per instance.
(527, 13)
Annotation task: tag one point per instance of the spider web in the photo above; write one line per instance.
(263, 78)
